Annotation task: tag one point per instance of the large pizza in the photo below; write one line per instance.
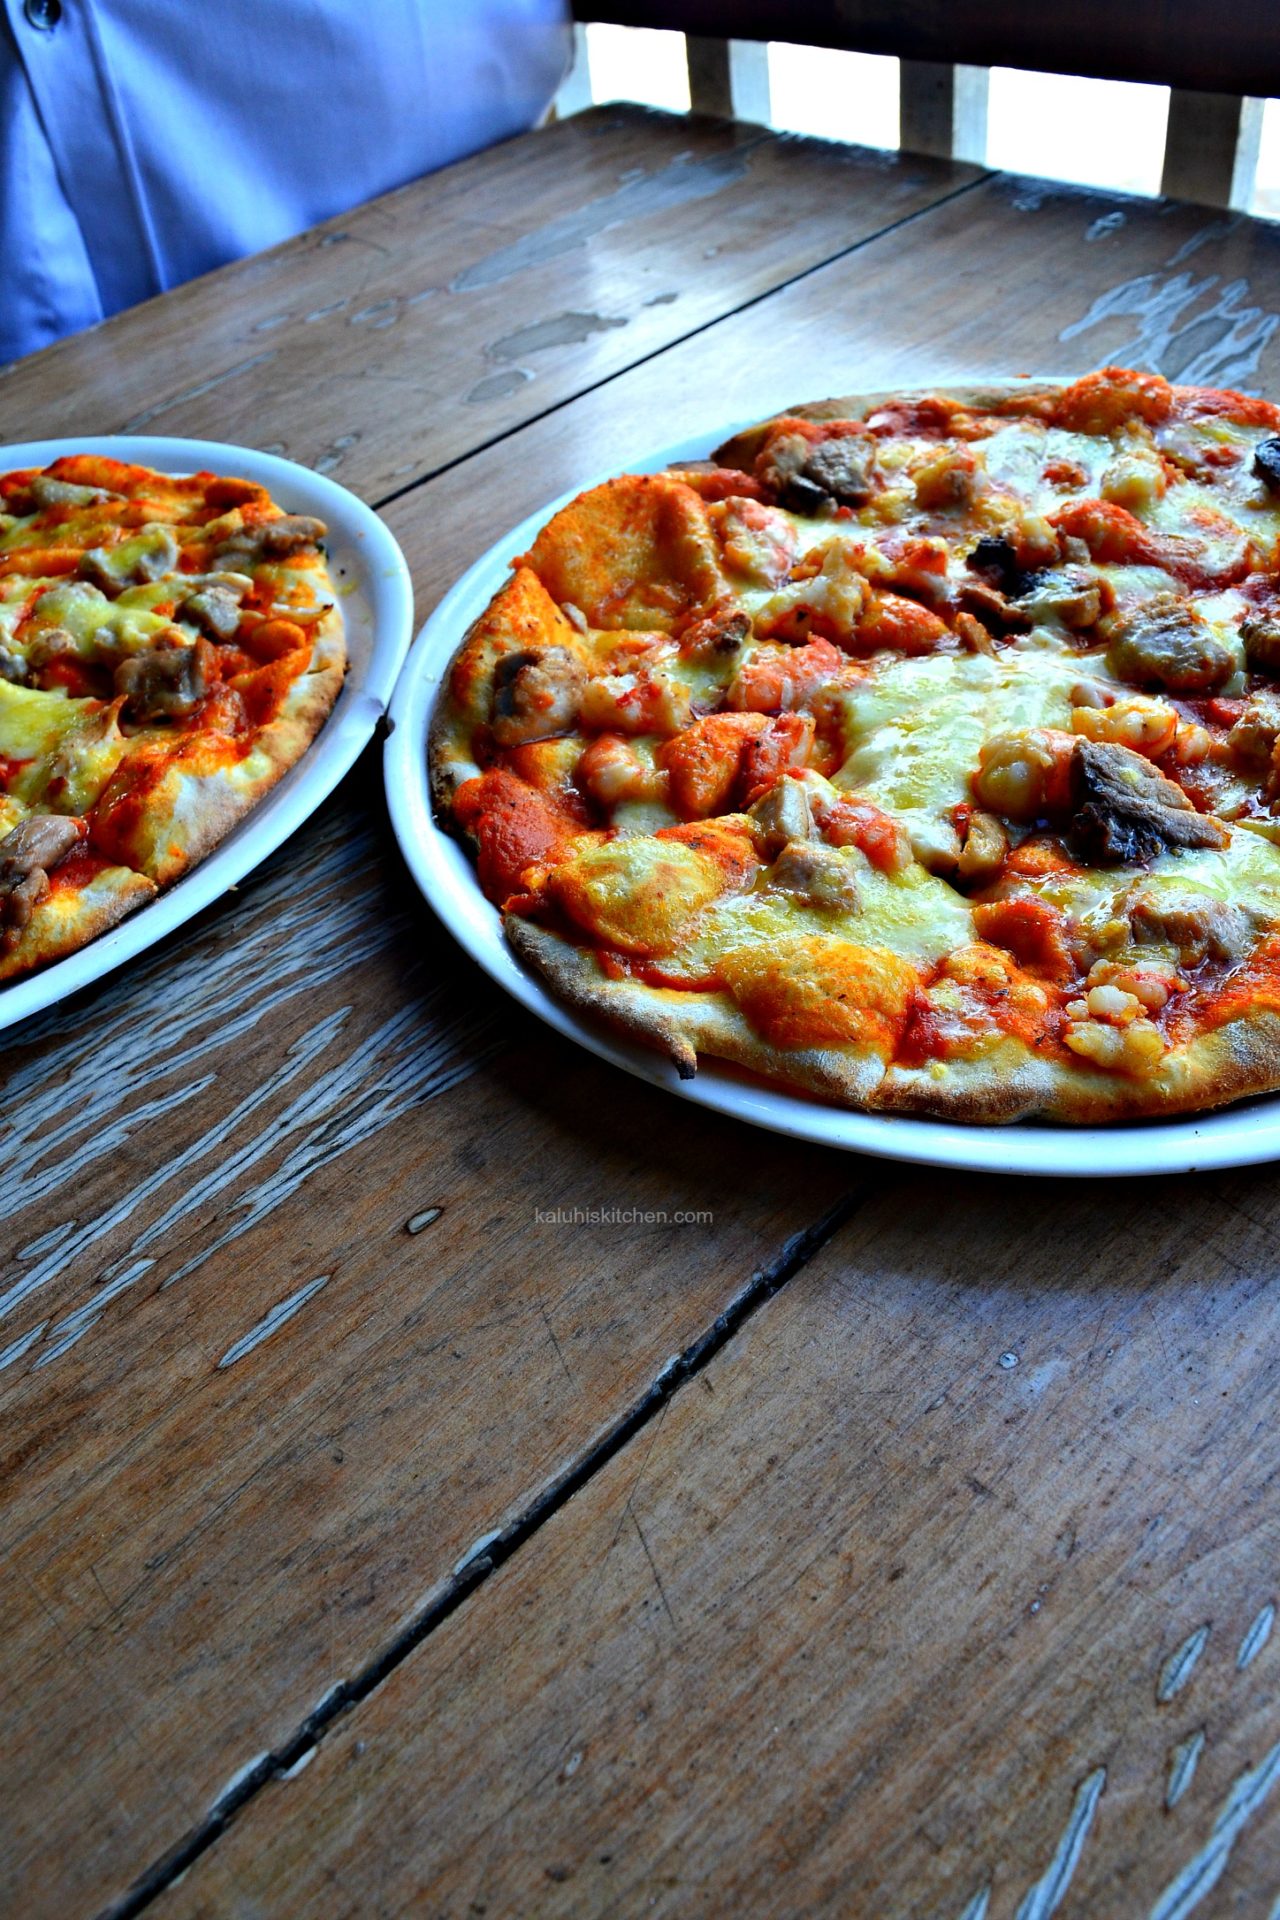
(916, 751)
(168, 648)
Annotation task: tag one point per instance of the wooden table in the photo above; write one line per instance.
(883, 1544)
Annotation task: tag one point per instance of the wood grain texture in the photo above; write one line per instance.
(396, 339)
(1202, 138)
(1016, 276)
(251, 1423)
(211, 1294)
(872, 1618)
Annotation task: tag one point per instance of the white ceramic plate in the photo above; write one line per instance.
(1237, 1136)
(377, 609)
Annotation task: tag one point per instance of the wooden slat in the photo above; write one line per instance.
(834, 323)
(730, 77)
(1200, 146)
(1010, 277)
(395, 340)
(913, 1601)
(943, 109)
(1173, 43)
(710, 81)
(173, 1600)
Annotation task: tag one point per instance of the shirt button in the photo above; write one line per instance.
(44, 15)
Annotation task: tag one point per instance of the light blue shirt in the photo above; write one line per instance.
(144, 141)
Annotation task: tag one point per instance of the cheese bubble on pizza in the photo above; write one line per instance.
(916, 751)
(168, 648)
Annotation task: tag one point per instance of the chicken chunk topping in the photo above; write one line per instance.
(536, 695)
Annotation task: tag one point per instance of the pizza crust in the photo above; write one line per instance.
(65, 921)
(1010, 1083)
(741, 450)
(685, 1025)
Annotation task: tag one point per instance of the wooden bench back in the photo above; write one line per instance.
(1219, 61)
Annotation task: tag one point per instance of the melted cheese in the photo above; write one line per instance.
(914, 732)
(85, 612)
(71, 777)
(33, 723)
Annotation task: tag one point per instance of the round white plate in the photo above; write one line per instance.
(1237, 1136)
(376, 599)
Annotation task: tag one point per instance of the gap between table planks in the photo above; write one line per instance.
(232, 1635)
(1119, 271)
(393, 340)
(219, 1338)
(905, 1604)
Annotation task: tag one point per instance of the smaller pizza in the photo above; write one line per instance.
(168, 648)
(919, 752)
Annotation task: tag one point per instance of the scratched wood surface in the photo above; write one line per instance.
(252, 1420)
(253, 1424)
(1012, 276)
(386, 344)
(946, 1587)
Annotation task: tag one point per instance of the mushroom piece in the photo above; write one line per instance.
(995, 561)
(1071, 595)
(1164, 642)
(1266, 461)
(27, 855)
(1251, 742)
(984, 846)
(1260, 633)
(1124, 810)
(271, 539)
(167, 683)
(818, 875)
(844, 468)
(812, 479)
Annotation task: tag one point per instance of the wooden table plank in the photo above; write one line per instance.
(251, 1421)
(1084, 278)
(1122, 268)
(245, 1570)
(220, 1204)
(877, 1616)
(397, 338)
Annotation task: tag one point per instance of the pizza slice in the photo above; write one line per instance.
(168, 648)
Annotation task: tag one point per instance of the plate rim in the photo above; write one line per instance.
(363, 700)
(1235, 1136)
